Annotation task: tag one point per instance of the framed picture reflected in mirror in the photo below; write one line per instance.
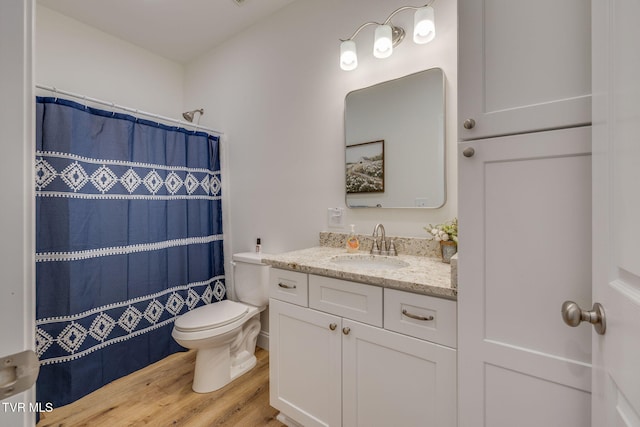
(365, 167)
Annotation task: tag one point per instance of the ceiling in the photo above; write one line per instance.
(180, 30)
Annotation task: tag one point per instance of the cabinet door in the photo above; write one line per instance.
(305, 364)
(391, 379)
(525, 248)
(523, 66)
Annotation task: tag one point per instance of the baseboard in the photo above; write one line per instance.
(287, 421)
(263, 340)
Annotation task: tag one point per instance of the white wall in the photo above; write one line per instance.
(72, 56)
(277, 92)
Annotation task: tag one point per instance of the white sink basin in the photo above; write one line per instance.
(369, 262)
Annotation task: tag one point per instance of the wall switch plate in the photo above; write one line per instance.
(335, 217)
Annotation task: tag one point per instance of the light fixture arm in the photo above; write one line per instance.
(394, 13)
(360, 28)
(400, 9)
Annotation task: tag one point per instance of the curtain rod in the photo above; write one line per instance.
(128, 109)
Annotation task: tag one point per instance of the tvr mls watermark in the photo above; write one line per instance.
(27, 407)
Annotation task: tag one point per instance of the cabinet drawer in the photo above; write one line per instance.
(289, 286)
(421, 316)
(347, 299)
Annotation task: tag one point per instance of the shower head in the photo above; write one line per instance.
(188, 116)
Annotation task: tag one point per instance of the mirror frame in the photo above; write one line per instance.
(442, 125)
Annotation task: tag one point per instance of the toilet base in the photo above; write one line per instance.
(243, 367)
(218, 366)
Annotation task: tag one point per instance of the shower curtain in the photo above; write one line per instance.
(129, 236)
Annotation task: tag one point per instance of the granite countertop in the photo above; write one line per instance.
(423, 275)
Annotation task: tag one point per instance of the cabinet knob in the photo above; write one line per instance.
(468, 152)
(469, 124)
(346, 330)
(333, 326)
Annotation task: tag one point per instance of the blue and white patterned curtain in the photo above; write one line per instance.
(129, 236)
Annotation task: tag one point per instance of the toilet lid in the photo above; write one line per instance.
(211, 316)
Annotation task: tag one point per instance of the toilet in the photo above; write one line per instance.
(225, 333)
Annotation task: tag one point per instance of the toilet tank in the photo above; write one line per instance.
(251, 279)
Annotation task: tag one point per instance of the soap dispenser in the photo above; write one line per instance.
(353, 245)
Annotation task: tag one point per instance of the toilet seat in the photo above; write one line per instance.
(211, 316)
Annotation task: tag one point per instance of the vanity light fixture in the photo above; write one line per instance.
(387, 36)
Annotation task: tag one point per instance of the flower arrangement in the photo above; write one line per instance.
(445, 231)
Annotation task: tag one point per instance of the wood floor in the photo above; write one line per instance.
(161, 395)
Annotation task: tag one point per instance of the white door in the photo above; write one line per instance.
(17, 318)
(525, 204)
(419, 379)
(305, 364)
(523, 66)
(616, 211)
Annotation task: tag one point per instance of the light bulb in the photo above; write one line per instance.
(383, 44)
(348, 55)
(424, 27)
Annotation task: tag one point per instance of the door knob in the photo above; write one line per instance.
(346, 330)
(333, 326)
(469, 124)
(573, 315)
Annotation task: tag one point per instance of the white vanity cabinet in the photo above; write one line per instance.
(523, 66)
(332, 363)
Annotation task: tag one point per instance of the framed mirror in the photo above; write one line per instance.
(395, 143)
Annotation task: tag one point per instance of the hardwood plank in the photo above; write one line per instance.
(161, 395)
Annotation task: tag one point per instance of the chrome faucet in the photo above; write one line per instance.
(382, 248)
